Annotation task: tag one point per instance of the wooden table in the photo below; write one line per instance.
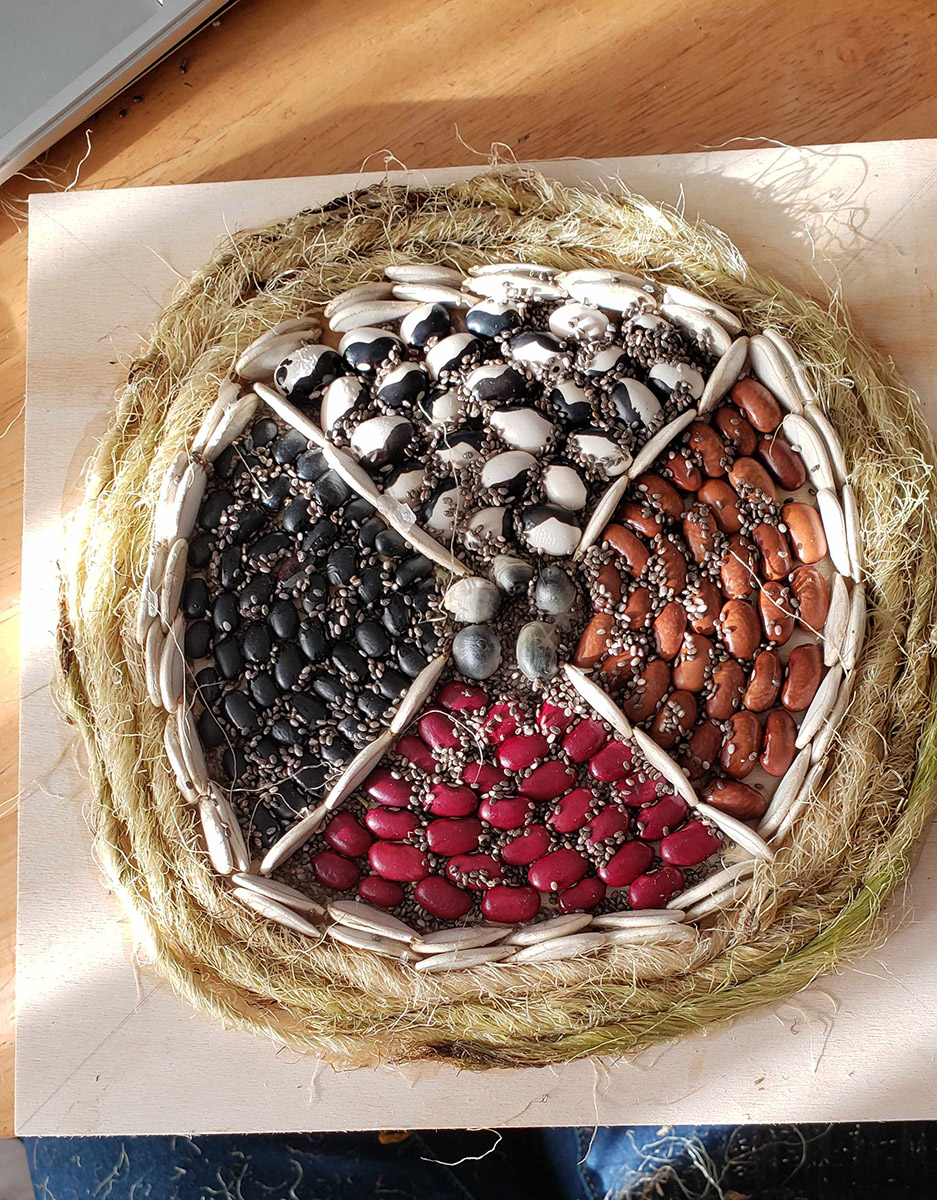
(292, 88)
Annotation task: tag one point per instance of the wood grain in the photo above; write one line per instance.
(285, 87)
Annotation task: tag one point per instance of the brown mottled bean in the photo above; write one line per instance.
(724, 503)
(725, 697)
(740, 628)
(784, 463)
(742, 744)
(739, 800)
(669, 627)
(703, 605)
(629, 546)
(812, 593)
(649, 689)
(806, 530)
(775, 549)
(703, 440)
(683, 471)
(672, 566)
(757, 403)
(699, 532)
(637, 609)
(736, 430)
(617, 670)
(802, 677)
(609, 580)
(764, 683)
(640, 517)
(780, 734)
(693, 663)
(659, 495)
(738, 571)
(674, 720)
(748, 475)
(593, 641)
(776, 608)
(702, 749)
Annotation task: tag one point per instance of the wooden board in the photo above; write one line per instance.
(102, 1049)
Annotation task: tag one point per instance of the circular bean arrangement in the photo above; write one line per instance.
(527, 601)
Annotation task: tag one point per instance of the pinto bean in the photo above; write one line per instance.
(629, 546)
(683, 471)
(724, 502)
(742, 744)
(776, 607)
(659, 495)
(672, 565)
(725, 695)
(706, 443)
(784, 463)
(702, 749)
(740, 628)
(674, 720)
(780, 735)
(637, 609)
(775, 549)
(738, 572)
(699, 532)
(669, 627)
(703, 605)
(812, 593)
(802, 678)
(594, 640)
(806, 530)
(757, 403)
(764, 683)
(748, 476)
(736, 799)
(609, 581)
(649, 689)
(736, 430)
(617, 670)
(640, 517)
(693, 663)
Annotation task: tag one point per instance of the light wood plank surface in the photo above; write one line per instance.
(288, 87)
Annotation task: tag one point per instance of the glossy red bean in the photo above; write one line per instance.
(757, 403)
(726, 689)
(583, 896)
(612, 762)
(584, 739)
(572, 811)
(659, 495)
(482, 777)
(442, 899)
(531, 843)
(500, 723)
(736, 430)
(391, 824)
(448, 801)
(521, 751)
(474, 871)
(386, 787)
(509, 905)
(779, 747)
(635, 793)
(416, 751)
(557, 871)
(802, 677)
(453, 835)
(554, 719)
(549, 780)
(654, 889)
(630, 548)
(402, 863)
(509, 813)
(347, 835)
(691, 845)
(382, 893)
(742, 745)
(462, 697)
(335, 871)
(737, 799)
(702, 749)
(626, 864)
(660, 819)
(610, 822)
(438, 731)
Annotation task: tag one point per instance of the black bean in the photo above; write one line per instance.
(250, 520)
(350, 662)
(200, 550)
(257, 642)
(264, 690)
(240, 711)
(234, 762)
(287, 801)
(369, 531)
(210, 733)
(274, 493)
(228, 658)
(427, 637)
(288, 447)
(312, 641)
(266, 827)
(358, 511)
(288, 667)
(207, 685)
(396, 615)
(422, 596)
(375, 708)
(311, 465)
(230, 566)
(338, 751)
(195, 598)
(255, 593)
(392, 684)
(389, 543)
(372, 639)
(309, 710)
(412, 570)
(224, 613)
(287, 734)
(283, 618)
(353, 730)
(224, 463)
(296, 515)
(213, 506)
(320, 537)
(262, 433)
(315, 592)
(331, 491)
(197, 639)
(371, 585)
(342, 565)
(269, 544)
(330, 689)
(412, 662)
(311, 774)
(266, 751)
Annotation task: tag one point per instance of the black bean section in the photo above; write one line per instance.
(375, 708)
(310, 710)
(353, 729)
(330, 689)
(250, 520)
(372, 640)
(392, 684)
(210, 732)
(311, 465)
(371, 586)
(412, 570)
(214, 507)
(269, 544)
(230, 566)
(288, 667)
(313, 642)
(266, 827)
(296, 516)
(257, 642)
(358, 511)
(274, 493)
(266, 751)
(200, 551)
(228, 658)
(338, 751)
(289, 446)
(234, 762)
(283, 618)
(396, 615)
(197, 640)
(195, 598)
(320, 537)
(264, 689)
(287, 733)
(254, 594)
(262, 433)
(311, 774)
(208, 685)
(224, 613)
(331, 491)
(287, 801)
(390, 544)
(224, 463)
(412, 662)
(342, 565)
(350, 662)
(241, 711)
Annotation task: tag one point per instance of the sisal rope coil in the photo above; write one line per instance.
(818, 904)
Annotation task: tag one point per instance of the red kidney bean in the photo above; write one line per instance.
(776, 608)
(738, 571)
(674, 719)
(593, 642)
(802, 678)
(626, 864)
(629, 546)
(397, 861)
(481, 777)
(691, 845)
(509, 905)
(462, 697)
(672, 566)
(438, 731)
(416, 751)
(669, 627)
(449, 836)
(617, 669)
(573, 810)
(529, 845)
(723, 503)
(475, 871)
(693, 663)
(583, 896)
(659, 495)
(347, 835)
(612, 762)
(784, 463)
(448, 801)
(636, 794)
(391, 824)
(383, 893)
(702, 749)
(650, 687)
(656, 888)
(335, 872)
(728, 684)
(442, 899)
(554, 719)
(509, 813)
(608, 583)
(386, 787)
(557, 871)
(500, 722)
(736, 799)
(584, 739)
(658, 820)
(637, 609)
(736, 430)
(521, 750)
(549, 780)
(764, 683)
(703, 441)
(610, 821)
(740, 627)
(779, 745)
(812, 593)
(757, 403)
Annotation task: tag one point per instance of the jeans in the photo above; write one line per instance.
(807, 1162)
